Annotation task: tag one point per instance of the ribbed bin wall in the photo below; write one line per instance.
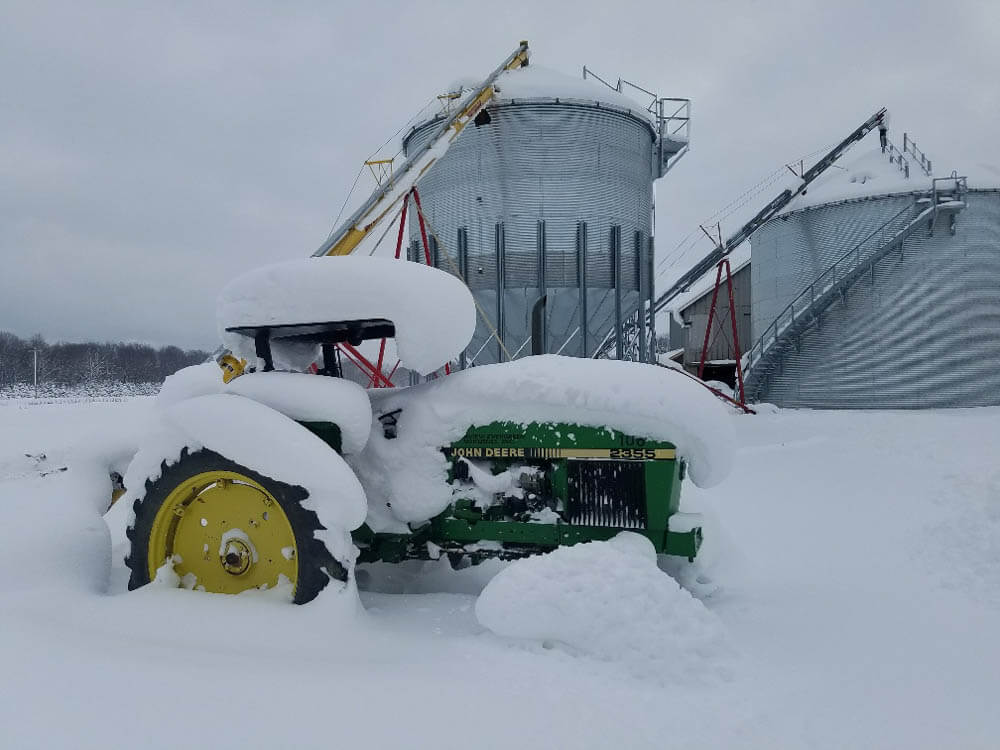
(565, 165)
(922, 330)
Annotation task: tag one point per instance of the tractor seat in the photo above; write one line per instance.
(327, 334)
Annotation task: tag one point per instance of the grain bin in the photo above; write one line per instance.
(550, 196)
(880, 289)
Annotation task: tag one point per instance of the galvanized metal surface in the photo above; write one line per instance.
(921, 330)
(557, 163)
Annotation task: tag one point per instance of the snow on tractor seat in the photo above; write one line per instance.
(432, 312)
(638, 399)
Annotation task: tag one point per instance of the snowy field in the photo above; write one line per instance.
(856, 555)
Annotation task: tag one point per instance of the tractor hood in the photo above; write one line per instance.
(636, 399)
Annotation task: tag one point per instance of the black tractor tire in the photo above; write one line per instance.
(316, 566)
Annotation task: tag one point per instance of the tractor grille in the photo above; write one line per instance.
(607, 493)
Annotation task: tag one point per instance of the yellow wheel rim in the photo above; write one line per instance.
(224, 533)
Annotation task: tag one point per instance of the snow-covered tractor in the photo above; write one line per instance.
(288, 475)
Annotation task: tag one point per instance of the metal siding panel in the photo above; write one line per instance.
(792, 250)
(721, 342)
(559, 162)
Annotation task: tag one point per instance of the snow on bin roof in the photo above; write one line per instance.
(433, 312)
(981, 176)
(860, 175)
(868, 173)
(537, 82)
(637, 399)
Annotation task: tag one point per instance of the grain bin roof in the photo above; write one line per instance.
(861, 174)
(868, 173)
(537, 82)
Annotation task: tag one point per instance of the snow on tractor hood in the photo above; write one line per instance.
(408, 473)
(433, 311)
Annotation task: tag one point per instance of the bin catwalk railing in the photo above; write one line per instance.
(672, 116)
(806, 309)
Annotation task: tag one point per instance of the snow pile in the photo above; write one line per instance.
(271, 444)
(637, 399)
(312, 398)
(190, 382)
(537, 82)
(299, 396)
(55, 462)
(609, 600)
(433, 311)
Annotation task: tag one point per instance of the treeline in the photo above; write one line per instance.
(91, 362)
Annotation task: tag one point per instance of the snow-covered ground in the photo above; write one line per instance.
(857, 555)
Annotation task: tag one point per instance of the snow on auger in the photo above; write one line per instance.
(282, 473)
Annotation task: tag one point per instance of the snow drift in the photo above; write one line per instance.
(299, 396)
(190, 382)
(609, 600)
(310, 398)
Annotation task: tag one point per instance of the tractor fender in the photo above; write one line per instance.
(273, 444)
(299, 396)
(312, 398)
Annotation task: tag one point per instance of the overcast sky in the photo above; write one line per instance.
(149, 151)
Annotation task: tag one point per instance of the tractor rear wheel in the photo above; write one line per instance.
(224, 528)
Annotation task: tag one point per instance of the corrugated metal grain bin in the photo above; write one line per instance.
(551, 196)
(879, 292)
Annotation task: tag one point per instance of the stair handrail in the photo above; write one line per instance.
(761, 346)
(959, 186)
(896, 157)
(910, 147)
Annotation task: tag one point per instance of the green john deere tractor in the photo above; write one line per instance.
(281, 477)
(560, 490)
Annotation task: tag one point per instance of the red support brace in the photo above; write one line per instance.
(423, 230)
(427, 248)
(374, 382)
(364, 365)
(381, 357)
(736, 336)
(711, 317)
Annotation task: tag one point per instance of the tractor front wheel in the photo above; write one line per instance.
(224, 528)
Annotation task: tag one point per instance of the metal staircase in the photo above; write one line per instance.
(766, 355)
